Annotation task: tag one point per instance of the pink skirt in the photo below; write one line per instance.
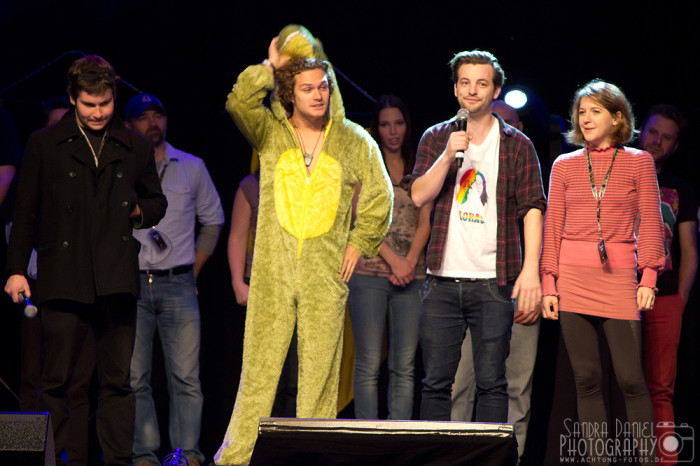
(598, 291)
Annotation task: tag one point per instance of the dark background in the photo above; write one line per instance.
(189, 56)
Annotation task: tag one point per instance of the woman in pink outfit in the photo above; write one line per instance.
(603, 208)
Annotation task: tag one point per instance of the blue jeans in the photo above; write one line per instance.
(520, 366)
(168, 303)
(448, 308)
(373, 300)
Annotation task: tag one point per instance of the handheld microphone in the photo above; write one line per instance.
(30, 310)
(175, 459)
(462, 116)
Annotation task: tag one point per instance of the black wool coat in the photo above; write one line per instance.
(85, 243)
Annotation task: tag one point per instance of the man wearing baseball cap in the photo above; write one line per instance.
(170, 261)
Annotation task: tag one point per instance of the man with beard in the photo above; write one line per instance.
(660, 136)
(520, 364)
(170, 262)
(474, 260)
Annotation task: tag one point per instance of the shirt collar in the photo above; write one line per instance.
(504, 128)
(67, 128)
(170, 154)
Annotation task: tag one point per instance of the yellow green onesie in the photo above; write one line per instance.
(304, 225)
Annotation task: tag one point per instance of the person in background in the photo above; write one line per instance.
(660, 136)
(241, 243)
(170, 260)
(10, 159)
(241, 240)
(591, 255)
(55, 108)
(385, 290)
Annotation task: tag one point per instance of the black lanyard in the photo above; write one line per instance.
(162, 174)
(598, 196)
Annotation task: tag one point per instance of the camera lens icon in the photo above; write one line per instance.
(669, 443)
(678, 438)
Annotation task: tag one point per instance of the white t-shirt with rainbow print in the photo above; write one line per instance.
(470, 250)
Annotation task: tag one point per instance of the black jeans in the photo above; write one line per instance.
(65, 325)
(580, 334)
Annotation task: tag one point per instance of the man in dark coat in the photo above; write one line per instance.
(85, 183)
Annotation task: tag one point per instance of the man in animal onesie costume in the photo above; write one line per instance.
(311, 158)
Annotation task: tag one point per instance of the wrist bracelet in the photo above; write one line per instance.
(267, 62)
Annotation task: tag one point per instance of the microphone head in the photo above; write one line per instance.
(31, 311)
(462, 114)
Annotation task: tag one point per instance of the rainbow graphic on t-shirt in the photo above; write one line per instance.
(465, 185)
(670, 201)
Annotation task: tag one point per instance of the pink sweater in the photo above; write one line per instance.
(632, 196)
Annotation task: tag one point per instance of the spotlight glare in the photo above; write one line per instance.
(516, 98)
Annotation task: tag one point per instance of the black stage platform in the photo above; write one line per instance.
(285, 441)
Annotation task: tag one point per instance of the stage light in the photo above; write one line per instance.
(516, 98)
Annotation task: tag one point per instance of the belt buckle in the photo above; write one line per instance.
(466, 280)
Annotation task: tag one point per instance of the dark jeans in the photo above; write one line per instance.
(448, 308)
(65, 325)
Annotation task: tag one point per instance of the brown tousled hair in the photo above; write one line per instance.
(478, 57)
(92, 74)
(613, 100)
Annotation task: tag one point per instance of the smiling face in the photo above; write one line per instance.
(659, 137)
(392, 129)
(94, 111)
(596, 122)
(311, 95)
(475, 90)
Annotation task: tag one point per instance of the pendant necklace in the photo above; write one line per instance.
(308, 157)
(102, 144)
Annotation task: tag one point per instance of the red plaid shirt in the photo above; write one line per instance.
(518, 189)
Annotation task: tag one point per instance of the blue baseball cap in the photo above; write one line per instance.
(138, 104)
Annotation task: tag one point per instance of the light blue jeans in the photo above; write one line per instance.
(374, 301)
(168, 304)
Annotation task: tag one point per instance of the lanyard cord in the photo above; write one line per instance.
(102, 144)
(598, 196)
(162, 173)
